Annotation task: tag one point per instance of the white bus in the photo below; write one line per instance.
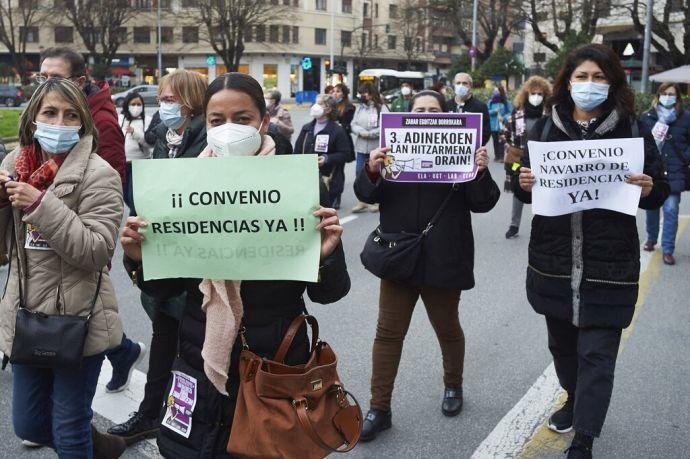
(388, 81)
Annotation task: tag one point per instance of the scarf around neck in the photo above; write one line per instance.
(31, 170)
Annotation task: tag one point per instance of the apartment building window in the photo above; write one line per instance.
(286, 2)
(347, 6)
(63, 3)
(518, 47)
(142, 35)
(295, 3)
(408, 44)
(320, 36)
(29, 34)
(295, 34)
(345, 38)
(167, 35)
(122, 35)
(286, 34)
(64, 35)
(142, 4)
(260, 33)
(273, 33)
(539, 57)
(391, 41)
(190, 34)
(321, 5)
(376, 10)
(248, 35)
(365, 10)
(189, 3)
(376, 40)
(393, 11)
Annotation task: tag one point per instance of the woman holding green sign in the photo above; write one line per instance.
(237, 124)
(584, 267)
(445, 267)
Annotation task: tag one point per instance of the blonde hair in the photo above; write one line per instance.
(534, 83)
(188, 86)
(70, 93)
(679, 97)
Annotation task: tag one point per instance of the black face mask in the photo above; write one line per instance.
(363, 99)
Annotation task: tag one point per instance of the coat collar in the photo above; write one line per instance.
(565, 122)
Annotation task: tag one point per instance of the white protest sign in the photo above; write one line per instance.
(585, 174)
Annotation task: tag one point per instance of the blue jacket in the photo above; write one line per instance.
(679, 135)
(503, 109)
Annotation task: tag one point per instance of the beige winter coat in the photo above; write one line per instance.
(78, 217)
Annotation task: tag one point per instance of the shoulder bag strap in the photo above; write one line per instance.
(545, 131)
(95, 297)
(19, 265)
(292, 332)
(440, 210)
(301, 409)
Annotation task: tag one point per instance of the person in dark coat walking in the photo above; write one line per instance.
(670, 124)
(181, 134)
(269, 306)
(344, 108)
(324, 137)
(584, 267)
(445, 268)
(465, 102)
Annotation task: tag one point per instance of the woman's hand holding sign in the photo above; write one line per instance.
(527, 179)
(377, 158)
(481, 158)
(643, 180)
(131, 238)
(330, 230)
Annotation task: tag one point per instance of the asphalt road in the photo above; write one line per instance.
(506, 353)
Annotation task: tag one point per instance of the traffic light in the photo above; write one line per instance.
(327, 63)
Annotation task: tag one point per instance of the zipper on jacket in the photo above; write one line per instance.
(610, 282)
(556, 276)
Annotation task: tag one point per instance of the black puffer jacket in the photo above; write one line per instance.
(584, 267)
(269, 308)
(193, 140)
(447, 259)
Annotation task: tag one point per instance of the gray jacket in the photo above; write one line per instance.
(365, 125)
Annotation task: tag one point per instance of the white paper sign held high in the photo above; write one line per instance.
(585, 174)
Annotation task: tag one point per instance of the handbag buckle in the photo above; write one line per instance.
(427, 229)
(296, 403)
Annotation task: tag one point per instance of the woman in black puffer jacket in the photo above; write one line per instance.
(269, 306)
(584, 267)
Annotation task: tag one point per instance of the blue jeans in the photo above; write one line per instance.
(668, 237)
(53, 406)
(362, 159)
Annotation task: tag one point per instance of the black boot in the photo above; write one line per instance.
(136, 428)
(581, 447)
(106, 446)
(452, 400)
(375, 422)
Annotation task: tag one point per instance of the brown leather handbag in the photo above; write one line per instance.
(300, 411)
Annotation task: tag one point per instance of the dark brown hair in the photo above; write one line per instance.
(621, 97)
(238, 82)
(369, 88)
(429, 93)
(342, 105)
(77, 65)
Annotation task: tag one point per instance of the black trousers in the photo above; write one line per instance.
(161, 358)
(585, 360)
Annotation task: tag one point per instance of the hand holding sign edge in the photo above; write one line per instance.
(330, 228)
(131, 238)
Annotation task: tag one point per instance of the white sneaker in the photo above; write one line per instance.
(30, 444)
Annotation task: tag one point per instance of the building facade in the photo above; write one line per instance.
(292, 55)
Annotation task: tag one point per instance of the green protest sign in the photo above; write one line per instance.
(241, 218)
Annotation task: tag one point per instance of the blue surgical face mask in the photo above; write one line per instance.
(667, 101)
(56, 139)
(588, 95)
(461, 90)
(171, 115)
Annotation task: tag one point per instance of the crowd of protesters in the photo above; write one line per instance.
(65, 188)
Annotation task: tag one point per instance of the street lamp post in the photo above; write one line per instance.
(474, 33)
(647, 40)
(160, 51)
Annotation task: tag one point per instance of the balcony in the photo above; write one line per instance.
(442, 58)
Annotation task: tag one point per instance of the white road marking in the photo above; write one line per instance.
(348, 219)
(517, 427)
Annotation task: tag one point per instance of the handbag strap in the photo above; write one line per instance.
(440, 210)
(20, 277)
(301, 407)
(685, 162)
(292, 332)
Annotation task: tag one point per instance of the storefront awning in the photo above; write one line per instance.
(678, 75)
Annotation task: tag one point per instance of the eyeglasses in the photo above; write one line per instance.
(40, 79)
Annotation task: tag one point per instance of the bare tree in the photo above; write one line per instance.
(567, 19)
(410, 24)
(663, 33)
(100, 24)
(496, 20)
(361, 45)
(17, 19)
(228, 21)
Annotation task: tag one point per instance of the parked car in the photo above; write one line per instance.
(12, 95)
(148, 92)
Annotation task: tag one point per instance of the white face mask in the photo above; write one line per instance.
(232, 139)
(536, 99)
(135, 110)
(405, 91)
(316, 111)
